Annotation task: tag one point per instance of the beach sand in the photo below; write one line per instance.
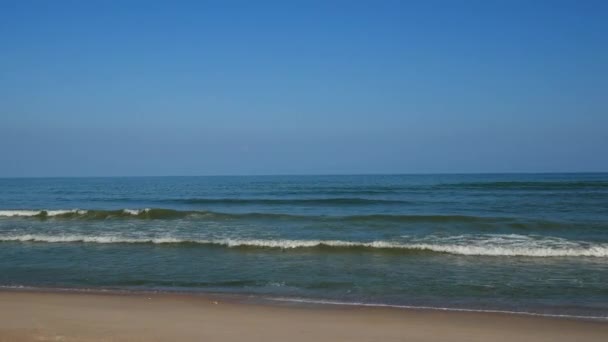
(59, 316)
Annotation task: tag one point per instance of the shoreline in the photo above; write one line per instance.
(276, 300)
(35, 315)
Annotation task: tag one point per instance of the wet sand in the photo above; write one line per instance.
(59, 316)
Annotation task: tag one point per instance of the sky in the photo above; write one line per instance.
(142, 88)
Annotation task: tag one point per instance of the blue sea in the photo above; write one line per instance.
(529, 243)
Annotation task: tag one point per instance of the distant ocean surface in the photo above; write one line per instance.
(535, 243)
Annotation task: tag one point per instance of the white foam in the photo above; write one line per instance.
(510, 245)
(529, 247)
(135, 212)
(62, 212)
(434, 308)
(286, 244)
(26, 213)
(10, 213)
(538, 251)
(86, 238)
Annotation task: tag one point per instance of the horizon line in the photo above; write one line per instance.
(319, 174)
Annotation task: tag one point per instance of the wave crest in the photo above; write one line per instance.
(507, 245)
(160, 213)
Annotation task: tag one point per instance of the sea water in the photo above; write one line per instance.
(535, 243)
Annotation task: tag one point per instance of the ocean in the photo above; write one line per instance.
(528, 243)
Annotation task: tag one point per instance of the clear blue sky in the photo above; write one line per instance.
(288, 87)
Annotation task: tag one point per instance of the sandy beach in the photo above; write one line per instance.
(52, 316)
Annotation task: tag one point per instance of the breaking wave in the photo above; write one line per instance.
(145, 213)
(495, 245)
(158, 213)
